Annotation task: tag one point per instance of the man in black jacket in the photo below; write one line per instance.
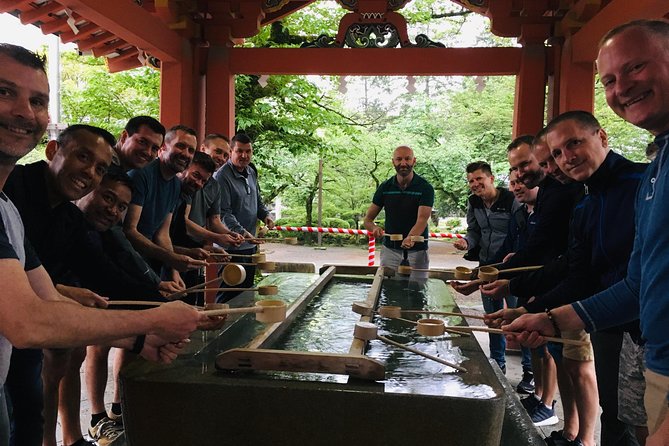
(488, 214)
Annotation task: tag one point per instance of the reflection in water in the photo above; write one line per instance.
(327, 326)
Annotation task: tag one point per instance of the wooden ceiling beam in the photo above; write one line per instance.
(585, 40)
(114, 47)
(132, 23)
(13, 5)
(116, 66)
(58, 24)
(378, 62)
(40, 13)
(87, 44)
(84, 32)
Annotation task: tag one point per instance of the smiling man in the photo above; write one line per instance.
(155, 195)
(241, 203)
(408, 199)
(33, 314)
(139, 142)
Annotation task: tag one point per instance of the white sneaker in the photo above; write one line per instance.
(107, 433)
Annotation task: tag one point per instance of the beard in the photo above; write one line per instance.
(403, 171)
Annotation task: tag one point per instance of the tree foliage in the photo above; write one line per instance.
(297, 121)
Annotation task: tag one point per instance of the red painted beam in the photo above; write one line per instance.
(116, 66)
(376, 61)
(40, 13)
(13, 5)
(87, 44)
(133, 24)
(585, 40)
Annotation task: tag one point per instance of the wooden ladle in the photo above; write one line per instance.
(437, 327)
(390, 312)
(267, 311)
(394, 311)
(263, 290)
(368, 331)
(490, 273)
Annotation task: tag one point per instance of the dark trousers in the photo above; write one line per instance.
(224, 296)
(191, 278)
(25, 400)
(607, 363)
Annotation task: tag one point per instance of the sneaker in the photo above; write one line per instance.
(530, 403)
(107, 433)
(526, 385)
(544, 416)
(556, 439)
(118, 419)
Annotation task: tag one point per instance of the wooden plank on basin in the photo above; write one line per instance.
(357, 269)
(294, 361)
(358, 345)
(274, 331)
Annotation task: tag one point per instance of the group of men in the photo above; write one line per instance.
(103, 219)
(593, 220)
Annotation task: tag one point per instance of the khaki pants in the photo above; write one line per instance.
(655, 400)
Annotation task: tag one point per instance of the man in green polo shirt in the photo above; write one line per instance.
(407, 198)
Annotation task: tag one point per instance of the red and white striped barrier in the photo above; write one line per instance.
(371, 245)
(319, 229)
(445, 235)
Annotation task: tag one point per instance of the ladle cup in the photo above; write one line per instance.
(368, 331)
(463, 273)
(490, 273)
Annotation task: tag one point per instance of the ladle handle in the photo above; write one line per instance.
(418, 352)
(204, 290)
(548, 338)
(223, 311)
(444, 313)
(195, 287)
(521, 268)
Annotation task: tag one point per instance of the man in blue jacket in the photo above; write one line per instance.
(633, 64)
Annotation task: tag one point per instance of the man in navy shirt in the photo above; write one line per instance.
(407, 198)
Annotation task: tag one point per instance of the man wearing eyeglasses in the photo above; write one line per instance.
(241, 204)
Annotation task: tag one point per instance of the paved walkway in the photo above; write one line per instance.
(442, 255)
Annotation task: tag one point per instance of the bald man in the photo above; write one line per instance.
(407, 198)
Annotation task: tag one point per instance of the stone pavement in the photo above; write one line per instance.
(442, 255)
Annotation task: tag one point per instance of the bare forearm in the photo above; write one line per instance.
(146, 247)
(566, 318)
(196, 231)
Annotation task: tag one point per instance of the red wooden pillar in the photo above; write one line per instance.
(179, 91)
(528, 114)
(220, 93)
(577, 82)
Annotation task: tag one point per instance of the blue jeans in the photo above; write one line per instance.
(497, 342)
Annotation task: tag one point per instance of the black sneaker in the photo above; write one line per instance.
(556, 439)
(526, 385)
(530, 403)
